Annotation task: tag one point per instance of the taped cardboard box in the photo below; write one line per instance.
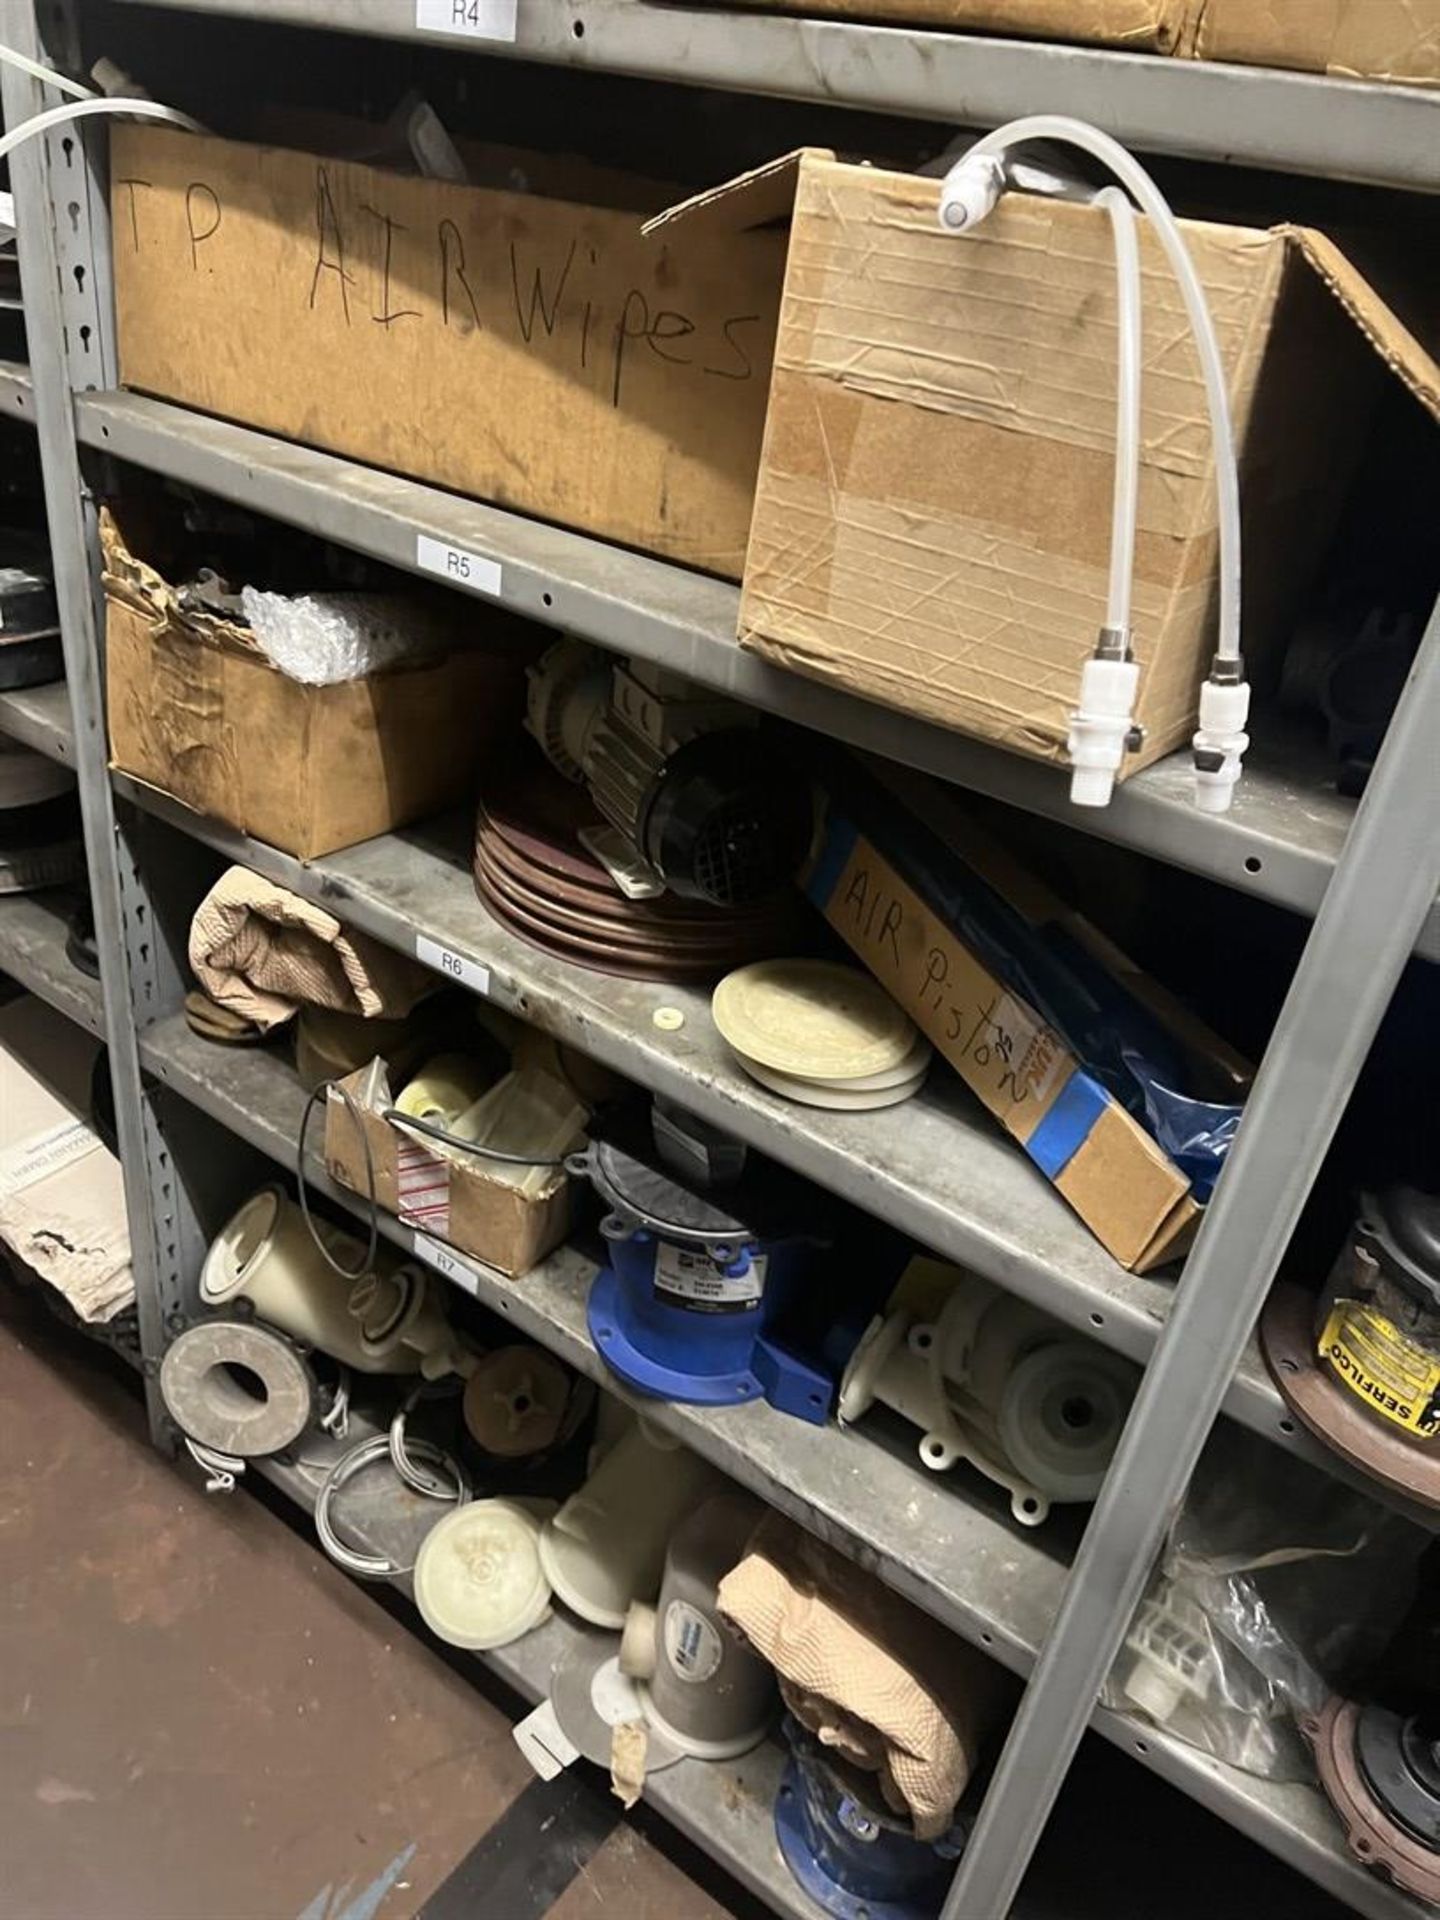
(1394, 40)
(903, 896)
(449, 1197)
(932, 517)
(197, 710)
(531, 350)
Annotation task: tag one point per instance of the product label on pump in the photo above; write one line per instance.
(692, 1646)
(694, 1279)
(477, 19)
(1382, 1366)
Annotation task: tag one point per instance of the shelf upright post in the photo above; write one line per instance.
(1383, 887)
(58, 181)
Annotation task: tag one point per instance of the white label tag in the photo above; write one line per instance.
(543, 1742)
(453, 965)
(21, 1166)
(479, 19)
(445, 1260)
(695, 1279)
(454, 564)
(692, 1646)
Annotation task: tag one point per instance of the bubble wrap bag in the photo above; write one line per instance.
(322, 639)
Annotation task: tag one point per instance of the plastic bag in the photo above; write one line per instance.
(324, 638)
(1276, 1584)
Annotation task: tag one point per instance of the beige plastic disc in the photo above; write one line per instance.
(813, 1019)
(814, 1093)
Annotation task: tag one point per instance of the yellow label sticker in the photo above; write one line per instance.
(1383, 1367)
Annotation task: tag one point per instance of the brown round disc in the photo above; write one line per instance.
(599, 958)
(636, 932)
(1370, 1833)
(1330, 1411)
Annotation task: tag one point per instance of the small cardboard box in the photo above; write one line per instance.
(452, 1199)
(932, 517)
(521, 347)
(1120, 1181)
(1397, 40)
(196, 710)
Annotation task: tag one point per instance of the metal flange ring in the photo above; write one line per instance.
(237, 1387)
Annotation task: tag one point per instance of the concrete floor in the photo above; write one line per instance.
(202, 1719)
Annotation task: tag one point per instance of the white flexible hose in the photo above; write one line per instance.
(1127, 169)
(83, 109)
(61, 82)
(1127, 408)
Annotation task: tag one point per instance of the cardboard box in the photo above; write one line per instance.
(1395, 40)
(196, 710)
(62, 1196)
(902, 897)
(932, 517)
(1139, 26)
(452, 1199)
(532, 351)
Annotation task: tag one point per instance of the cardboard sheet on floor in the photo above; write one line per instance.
(62, 1199)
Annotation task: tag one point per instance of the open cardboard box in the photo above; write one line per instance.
(448, 1196)
(196, 710)
(932, 516)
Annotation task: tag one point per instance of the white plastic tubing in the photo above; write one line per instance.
(965, 185)
(1127, 410)
(82, 106)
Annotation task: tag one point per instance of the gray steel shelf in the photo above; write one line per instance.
(1252, 116)
(40, 717)
(724, 1807)
(957, 1558)
(16, 398)
(33, 928)
(1280, 841)
(989, 1580)
(937, 1167)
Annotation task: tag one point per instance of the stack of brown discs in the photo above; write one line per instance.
(535, 876)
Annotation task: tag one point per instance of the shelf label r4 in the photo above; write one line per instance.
(478, 19)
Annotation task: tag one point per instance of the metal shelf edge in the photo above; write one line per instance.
(40, 717)
(17, 397)
(32, 950)
(1279, 842)
(1255, 116)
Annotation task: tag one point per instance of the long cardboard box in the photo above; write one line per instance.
(902, 895)
(932, 516)
(533, 351)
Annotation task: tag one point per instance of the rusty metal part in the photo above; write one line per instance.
(1370, 1832)
(1331, 1411)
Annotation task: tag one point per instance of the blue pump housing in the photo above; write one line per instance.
(851, 1863)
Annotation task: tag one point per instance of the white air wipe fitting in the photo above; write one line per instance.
(700, 1685)
(997, 1382)
(388, 1322)
(606, 1545)
(968, 193)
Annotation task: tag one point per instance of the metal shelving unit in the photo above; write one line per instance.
(936, 1169)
